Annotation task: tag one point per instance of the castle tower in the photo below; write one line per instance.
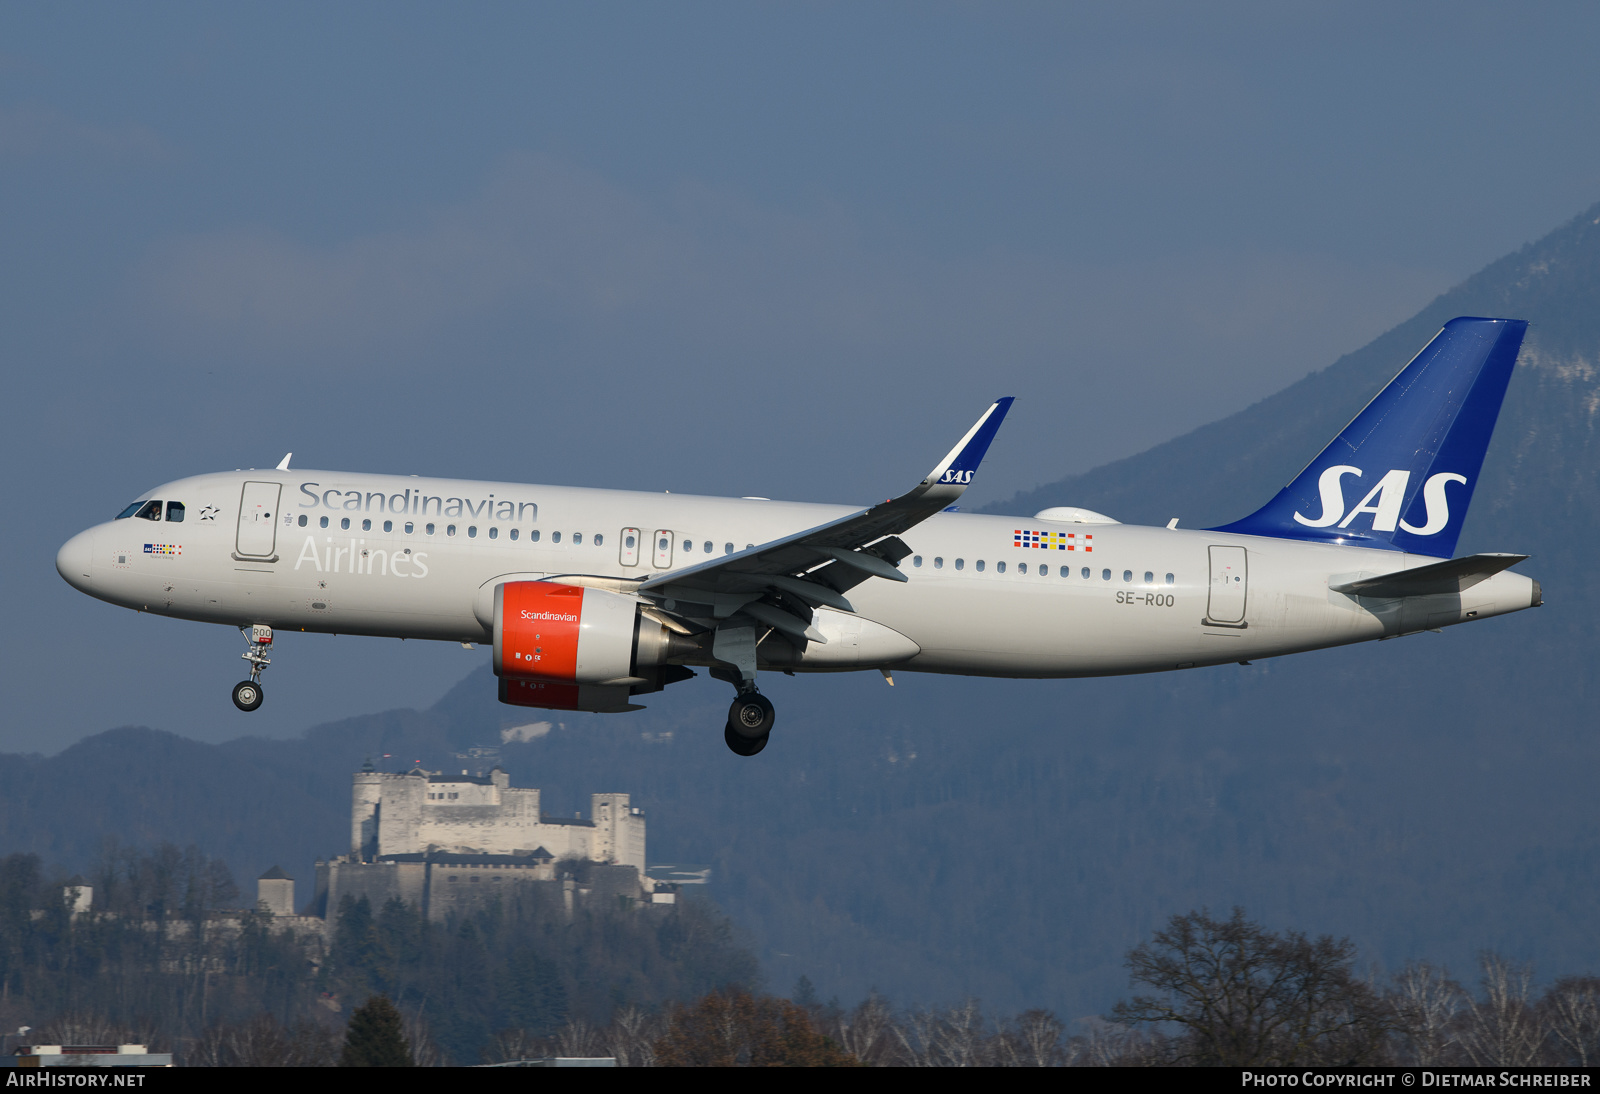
(275, 892)
(619, 830)
(366, 803)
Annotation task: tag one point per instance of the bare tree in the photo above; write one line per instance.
(1243, 996)
(261, 1042)
(424, 1050)
(1115, 1044)
(1426, 1003)
(868, 1032)
(1033, 1039)
(511, 1045)
(1501, 1029)
(1572, 1012)
(632, 1036)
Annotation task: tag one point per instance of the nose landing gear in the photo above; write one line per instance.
(247, 694)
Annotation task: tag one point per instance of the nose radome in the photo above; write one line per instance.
(75, 559)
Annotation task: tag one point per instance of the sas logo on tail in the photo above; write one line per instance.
(1383, 501)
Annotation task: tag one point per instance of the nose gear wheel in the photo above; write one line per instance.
(247, 695)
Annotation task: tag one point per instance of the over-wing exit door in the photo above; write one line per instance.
(258, 525)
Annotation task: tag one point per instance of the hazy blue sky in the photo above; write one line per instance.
(749, 249)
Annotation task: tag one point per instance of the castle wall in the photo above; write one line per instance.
(379, 882)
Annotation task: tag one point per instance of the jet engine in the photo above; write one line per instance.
(569, 647)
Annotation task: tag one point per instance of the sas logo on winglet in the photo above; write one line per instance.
(961, 478)
(1383, 501)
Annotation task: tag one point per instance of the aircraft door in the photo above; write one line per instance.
(629, 553)
(1230, 585)
(258, 523)
(663, 548)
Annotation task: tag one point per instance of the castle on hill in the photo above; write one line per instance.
(447, 842)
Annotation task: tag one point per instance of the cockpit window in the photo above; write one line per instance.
(150, 511)
(129, 511)
(174, 511)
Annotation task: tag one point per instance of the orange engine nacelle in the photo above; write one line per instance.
(568, 647)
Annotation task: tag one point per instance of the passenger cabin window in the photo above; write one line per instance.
(388, 526)
(450, 529)
(961, 563)
(513, 535)
(577, 538)
(1105, 575)
(533, 536)
(322, 522)
(302, 520)
(727, 548)
(980, 565)
(428, 528)
(1022, 567)
(344, 523)
(151, 510)
(938, 562)
(555, 537)
(599, 540)
(916, 560)
(1170, 581)
(409, 528)
(366, 526)
(494, 533)
(999, 567)
(1085, 573)
(175, 511)
(1127, 575)
(1149, 578)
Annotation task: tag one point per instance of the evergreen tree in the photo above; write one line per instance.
(375, 1037)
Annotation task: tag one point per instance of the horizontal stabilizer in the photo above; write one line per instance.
(1454, 576)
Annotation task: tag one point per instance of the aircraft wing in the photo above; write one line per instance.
(1452, 576)
(818, 565)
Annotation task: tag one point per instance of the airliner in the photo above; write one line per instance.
(593, 598)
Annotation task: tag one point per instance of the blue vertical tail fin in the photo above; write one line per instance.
(1400, 476)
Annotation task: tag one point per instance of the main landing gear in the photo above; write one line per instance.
(750, 721)
(247, 694)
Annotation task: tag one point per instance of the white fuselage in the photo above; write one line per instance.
(1092, 599)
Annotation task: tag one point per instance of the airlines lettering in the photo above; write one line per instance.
(415, 502)
(558, 616)
(353, 558)
(963, 478)
(1383, 501)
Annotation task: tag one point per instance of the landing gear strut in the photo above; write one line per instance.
(247, 694)
(750, 717)
(750, 721)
